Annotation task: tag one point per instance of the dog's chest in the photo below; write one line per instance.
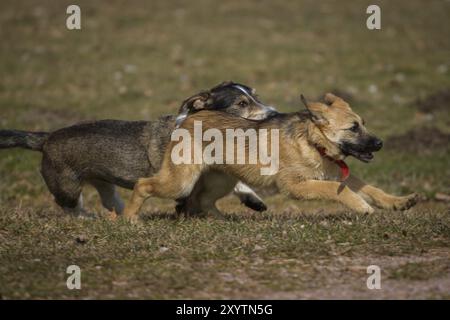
(330, 170)
(319, 168)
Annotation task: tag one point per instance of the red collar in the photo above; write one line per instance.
(345, 171)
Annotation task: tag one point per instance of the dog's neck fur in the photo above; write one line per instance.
(298, 125)
(318, 140)
(295, 124)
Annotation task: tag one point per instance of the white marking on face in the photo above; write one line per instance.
(180, 118)
(266, 109)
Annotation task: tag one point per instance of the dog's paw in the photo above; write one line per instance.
(369, 210)
(181, 207)
(135, 221)
(87, 215)
(364, 208)
(254, 203)
(404, 203)
(132, 219)
(112, 215)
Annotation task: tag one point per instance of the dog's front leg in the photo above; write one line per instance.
(141, 191)
(331, 190)
(380, 198)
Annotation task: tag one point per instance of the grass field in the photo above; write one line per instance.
(140, 59)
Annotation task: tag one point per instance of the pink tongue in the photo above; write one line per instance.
(345, 171)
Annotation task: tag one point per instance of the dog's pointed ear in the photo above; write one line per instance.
(315, 112)
(302, 97)
(331, 98)
(335, 101)
(193, 104)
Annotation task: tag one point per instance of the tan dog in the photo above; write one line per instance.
(312, 146)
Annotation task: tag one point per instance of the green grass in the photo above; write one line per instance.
(140, 60)
(245, 256)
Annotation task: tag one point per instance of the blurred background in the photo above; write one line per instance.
(139, 59)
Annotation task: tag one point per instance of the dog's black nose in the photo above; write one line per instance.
(272, 113)
(378, 144)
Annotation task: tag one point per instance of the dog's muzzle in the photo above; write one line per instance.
(270, 112)
(264, 113)
(363, 151)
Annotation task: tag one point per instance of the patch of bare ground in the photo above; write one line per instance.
(346, 278)
(437, 101)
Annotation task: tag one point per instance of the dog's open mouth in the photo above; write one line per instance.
(363, 156)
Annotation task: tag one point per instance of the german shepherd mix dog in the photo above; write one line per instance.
(107, 153)
(313, 144)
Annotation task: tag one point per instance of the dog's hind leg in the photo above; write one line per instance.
(380, 198)
(190, 205)
(77, 211)
(210, 187)
(65, 186)
(206, 193)
(170, 182)
(216, 186)
(109, 196)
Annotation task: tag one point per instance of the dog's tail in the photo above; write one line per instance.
(22, 139)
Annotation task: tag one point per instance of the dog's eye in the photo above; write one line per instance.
(355, 127)
(243, 103)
